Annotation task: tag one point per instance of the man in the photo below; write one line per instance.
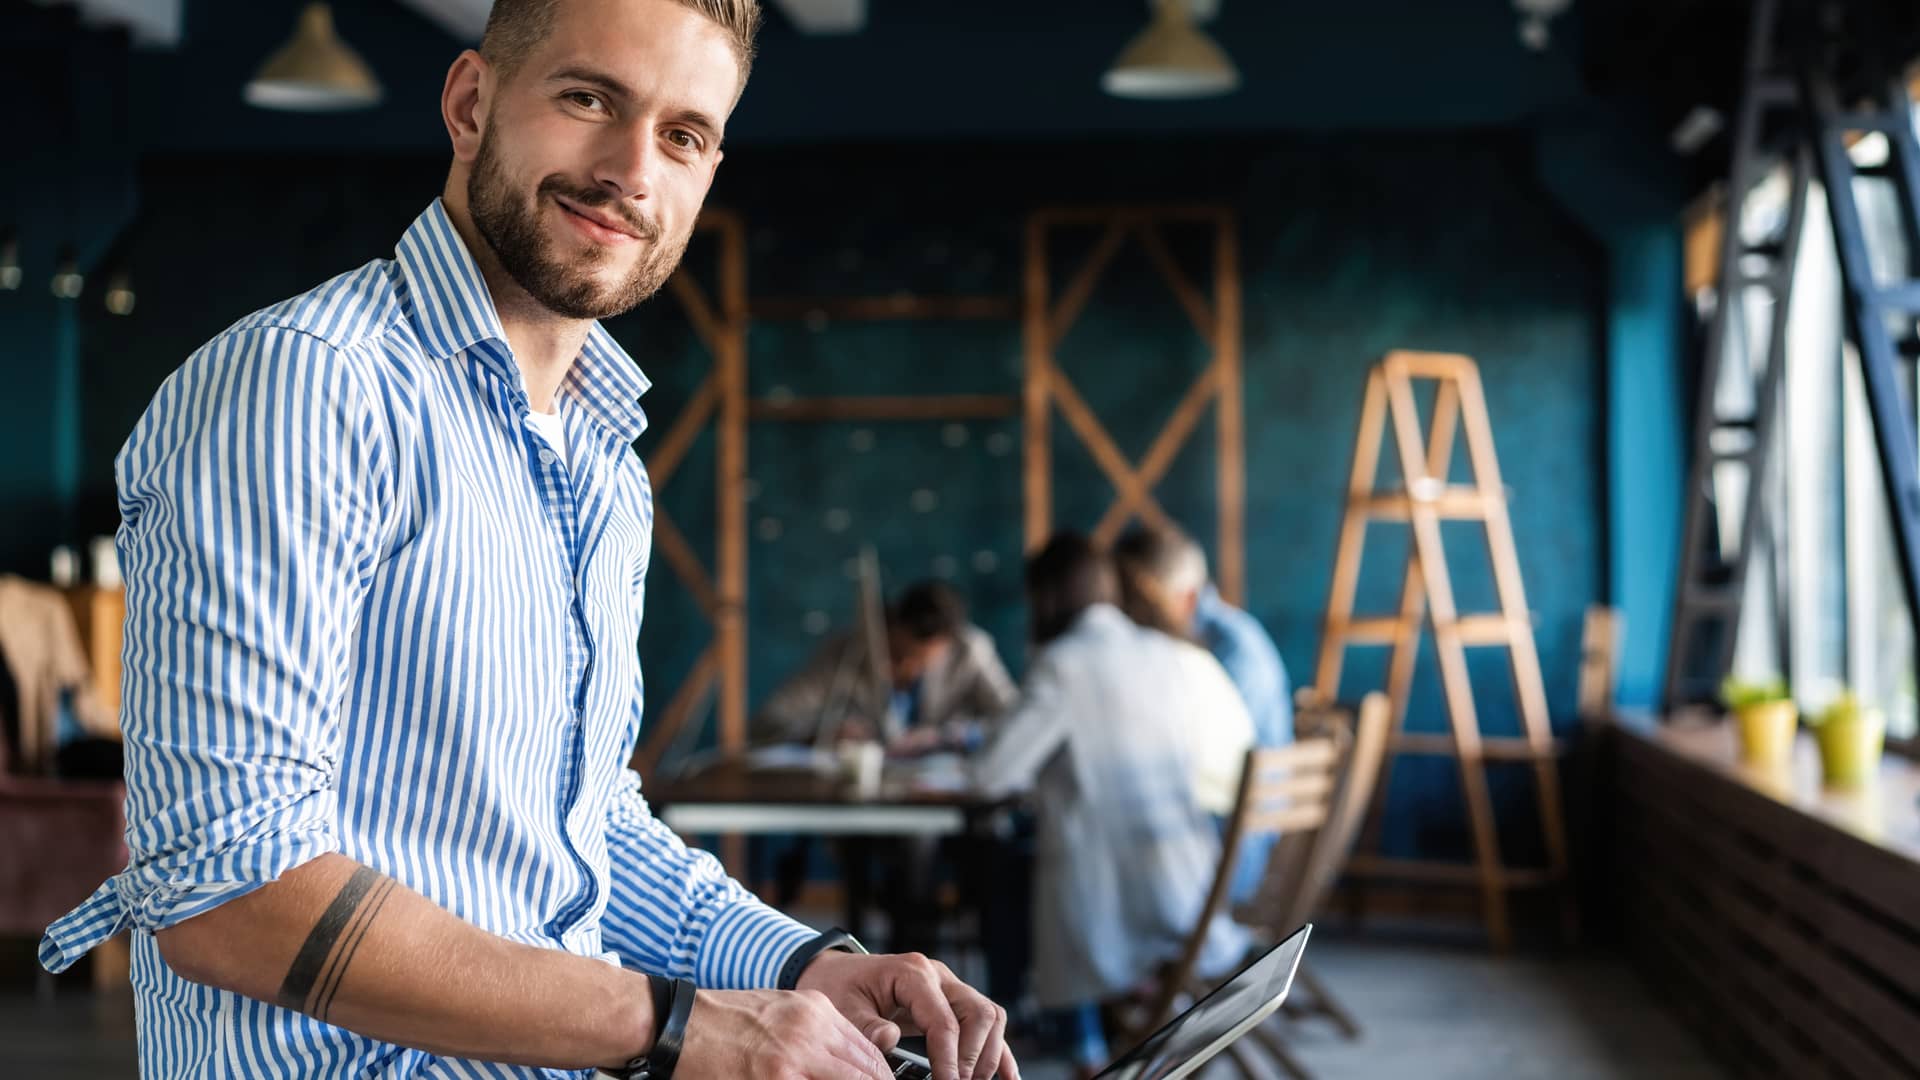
(946, 681)
(1164, 583)
(384, 546)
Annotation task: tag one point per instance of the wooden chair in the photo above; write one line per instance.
(1301, 875)
(1314, 794)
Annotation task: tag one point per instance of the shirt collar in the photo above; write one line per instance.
(1209, 608)
(453, 312)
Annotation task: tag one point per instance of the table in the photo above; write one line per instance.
(736, 797)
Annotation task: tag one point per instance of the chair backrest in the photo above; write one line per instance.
(1298, 791)
(1294, 890)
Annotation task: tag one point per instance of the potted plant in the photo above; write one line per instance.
(1851, 735)
(1766, 717)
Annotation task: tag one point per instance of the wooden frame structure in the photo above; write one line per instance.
(1217, 320)
(1427, 595)
(722, 399)
(720, 320)
(721, 314)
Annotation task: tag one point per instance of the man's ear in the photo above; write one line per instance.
(464, 103)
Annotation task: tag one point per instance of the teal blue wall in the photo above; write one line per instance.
(66, 179)
(1349, 248)
(1612, 180)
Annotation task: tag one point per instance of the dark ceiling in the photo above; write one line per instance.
(1010, 70)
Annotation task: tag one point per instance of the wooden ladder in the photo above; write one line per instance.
(1427, 594)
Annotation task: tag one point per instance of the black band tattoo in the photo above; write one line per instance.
(315, 977)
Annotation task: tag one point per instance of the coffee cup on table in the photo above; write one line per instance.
(860, 765)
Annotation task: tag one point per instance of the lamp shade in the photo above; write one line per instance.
(10, 272)
(1172, 58)
(314, 71)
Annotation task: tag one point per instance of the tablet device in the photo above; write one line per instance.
(1196, 1036)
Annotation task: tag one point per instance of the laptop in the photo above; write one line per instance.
(861, 685)
(1193, 1038)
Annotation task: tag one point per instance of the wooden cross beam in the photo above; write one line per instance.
(720, 399)
(1218, 387)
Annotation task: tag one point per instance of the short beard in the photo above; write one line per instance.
(512, 229)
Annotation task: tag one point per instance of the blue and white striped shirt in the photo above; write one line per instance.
(371, 611)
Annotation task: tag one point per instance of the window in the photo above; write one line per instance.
(1824, 600)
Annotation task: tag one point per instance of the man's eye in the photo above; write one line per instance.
(583, 99)
(684, 139)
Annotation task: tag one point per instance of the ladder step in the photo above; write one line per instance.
(1495, 629)
(1372, 630)
(1492, 629)
(1492, 747)
(1443, 873)
(1902, 297)
(1885, 122)
(1453, 502)
(1772, 279)
(1717, 601)
(1775, 90)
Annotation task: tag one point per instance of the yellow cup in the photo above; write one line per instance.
(1850, 747)
(1766, 732)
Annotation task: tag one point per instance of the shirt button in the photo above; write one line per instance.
(548, 457)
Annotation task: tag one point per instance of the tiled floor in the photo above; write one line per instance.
(1430, 1012)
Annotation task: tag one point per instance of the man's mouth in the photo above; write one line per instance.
(599, 227)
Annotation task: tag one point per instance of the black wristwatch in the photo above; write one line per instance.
(672, 1005)
(835, 940)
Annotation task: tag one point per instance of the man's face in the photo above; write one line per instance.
(912, 656)
(598, 152)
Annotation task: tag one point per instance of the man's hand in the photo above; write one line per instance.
(855, 729)
(918, 742)
(884, 995)
(777, 1035)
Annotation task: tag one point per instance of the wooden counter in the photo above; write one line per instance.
(1781, 920)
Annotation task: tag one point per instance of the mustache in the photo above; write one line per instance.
(597, 198)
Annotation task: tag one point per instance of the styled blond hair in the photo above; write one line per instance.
(517, 27)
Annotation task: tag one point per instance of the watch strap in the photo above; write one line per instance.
(835, 940)
(672, 1007)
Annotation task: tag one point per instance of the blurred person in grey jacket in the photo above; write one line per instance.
(944, 685)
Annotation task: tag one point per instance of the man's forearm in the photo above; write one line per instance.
(351, 947)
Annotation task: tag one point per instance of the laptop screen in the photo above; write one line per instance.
(1232, 1010)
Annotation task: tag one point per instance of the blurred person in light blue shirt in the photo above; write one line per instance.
(1165, 585)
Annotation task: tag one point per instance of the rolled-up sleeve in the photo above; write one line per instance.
(674, 911)
(251, 501)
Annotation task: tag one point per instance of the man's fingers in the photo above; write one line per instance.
(851, 1045)
(841, 1069)
(977, 1016)
(926, 1001)
(884, 1034)
(1009, 1068)
(994, 1046)
(858, 1055)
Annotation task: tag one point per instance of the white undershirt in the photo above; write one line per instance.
(552, 430)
